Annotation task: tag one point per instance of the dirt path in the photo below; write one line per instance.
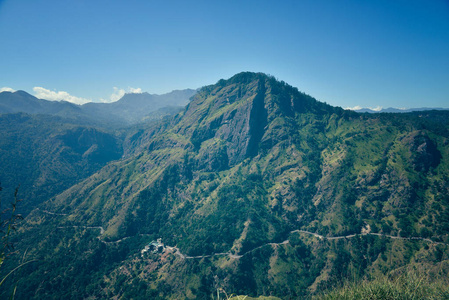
(178, 252)
(51, 213)
(87, 227)
(321, 237)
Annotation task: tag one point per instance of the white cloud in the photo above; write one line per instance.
(116, 95)
(7, 89)
(358, 107)
(135, 91)
(46, 94)
(43, 93)
(354, 108)
(119, 93)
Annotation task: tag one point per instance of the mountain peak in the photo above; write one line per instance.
(244, 78)
(240, 114)
(23, 93)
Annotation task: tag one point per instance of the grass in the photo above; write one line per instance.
(251, 298)
(409, 285)
(222, 295)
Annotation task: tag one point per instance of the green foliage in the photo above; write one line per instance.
(8, 225)
(253, 298)
(408, 285)
(47, 155)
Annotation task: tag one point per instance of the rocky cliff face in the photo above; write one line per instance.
(424, 152)
(243, 113)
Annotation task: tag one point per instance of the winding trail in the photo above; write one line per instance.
(321, 237)
(87, 227)
(178, 252)
(51, 213)
(123, 239)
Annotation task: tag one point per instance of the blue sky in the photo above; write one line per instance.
(388, 53)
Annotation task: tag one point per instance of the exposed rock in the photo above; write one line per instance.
(425, 154)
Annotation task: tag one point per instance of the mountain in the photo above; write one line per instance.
(254, 188)
(397, 110)
(129, 110)
(135, 108)
(21, 101)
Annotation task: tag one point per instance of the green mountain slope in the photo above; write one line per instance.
(255, 188)
(46, 155)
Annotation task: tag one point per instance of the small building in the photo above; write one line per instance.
(154, 246)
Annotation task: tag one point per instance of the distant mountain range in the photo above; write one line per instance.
(396, 110)
(47, 146)
(130, 109)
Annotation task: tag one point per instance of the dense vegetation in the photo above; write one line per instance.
(46, 155)
(229, 182)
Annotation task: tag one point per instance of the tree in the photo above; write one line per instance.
(7, 226)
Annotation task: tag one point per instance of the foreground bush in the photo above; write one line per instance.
(409, 285)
